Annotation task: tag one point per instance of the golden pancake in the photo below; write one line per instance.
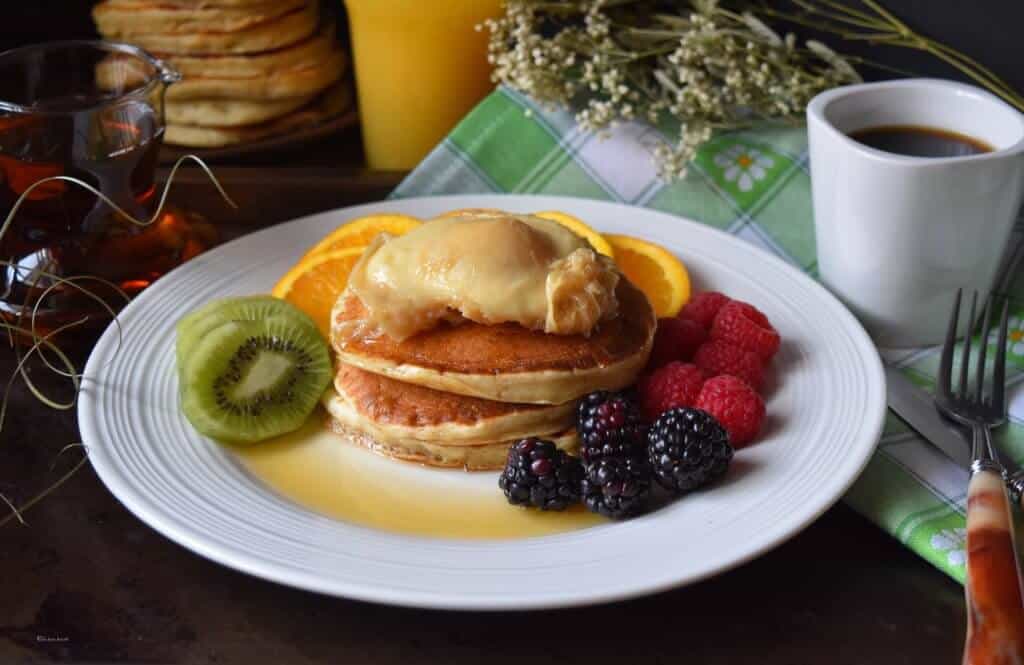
(332, 103)
(231, 113)
(306, 53)
(284, 83)
(267, 36)
(126, 19)
(391, 411)
(482, 457)
(507, 362)
(302, 79)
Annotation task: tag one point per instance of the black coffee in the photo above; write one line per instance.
(917, 141)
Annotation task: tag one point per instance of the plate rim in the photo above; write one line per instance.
(128, 496)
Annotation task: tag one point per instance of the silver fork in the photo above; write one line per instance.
(995, 600)
(981, 413)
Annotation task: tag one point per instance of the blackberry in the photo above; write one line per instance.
(617, 487)
(609, 425)
(687, 448)
(538, 474)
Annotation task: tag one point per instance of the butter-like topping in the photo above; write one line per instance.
(491, 270)
(580, 292)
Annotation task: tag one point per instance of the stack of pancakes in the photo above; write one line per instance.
(251, 68)
(459, 395)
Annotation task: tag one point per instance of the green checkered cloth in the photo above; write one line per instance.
(754, 184)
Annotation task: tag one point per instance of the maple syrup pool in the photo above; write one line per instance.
(323, 472)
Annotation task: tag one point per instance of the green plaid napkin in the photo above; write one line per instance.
(754, 184)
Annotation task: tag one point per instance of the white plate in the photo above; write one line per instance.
(825, 416)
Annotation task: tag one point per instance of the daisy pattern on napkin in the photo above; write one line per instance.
(743, 165)
(1014, 336)
(952, 542)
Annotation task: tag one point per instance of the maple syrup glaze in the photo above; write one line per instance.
(499, 269)
(318, 470)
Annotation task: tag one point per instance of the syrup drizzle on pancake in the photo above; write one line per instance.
(491, 270)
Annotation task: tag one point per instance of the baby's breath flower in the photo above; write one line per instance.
(710, 68)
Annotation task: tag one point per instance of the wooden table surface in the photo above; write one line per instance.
(86, 582)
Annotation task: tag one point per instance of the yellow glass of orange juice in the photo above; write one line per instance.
(420, 66)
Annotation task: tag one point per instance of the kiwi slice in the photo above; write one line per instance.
(195, 325)
(246, 381)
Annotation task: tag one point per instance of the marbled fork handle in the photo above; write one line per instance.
(995, 601)
(995, 608)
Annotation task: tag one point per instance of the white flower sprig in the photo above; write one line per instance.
(709, 65)
(709, 68)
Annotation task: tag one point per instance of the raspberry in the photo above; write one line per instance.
(735, 405)
(676, 339)
(719, 357)
(703, 307)
(747, 327)
(675, 384)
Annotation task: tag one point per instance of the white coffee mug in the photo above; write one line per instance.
(898, 235)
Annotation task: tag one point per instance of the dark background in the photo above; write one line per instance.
(988, 30)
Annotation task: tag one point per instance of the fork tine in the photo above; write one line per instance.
(946, 361)
(999, 369)
(965, 355)
(979, 388)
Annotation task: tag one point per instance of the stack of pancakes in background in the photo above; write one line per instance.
(460, 394)
(251, 69)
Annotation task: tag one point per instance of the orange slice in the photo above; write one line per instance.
(580, 228)
(315, 282)
(655, 271)
(359, 232)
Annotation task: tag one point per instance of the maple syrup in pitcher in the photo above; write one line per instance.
(91, 111)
